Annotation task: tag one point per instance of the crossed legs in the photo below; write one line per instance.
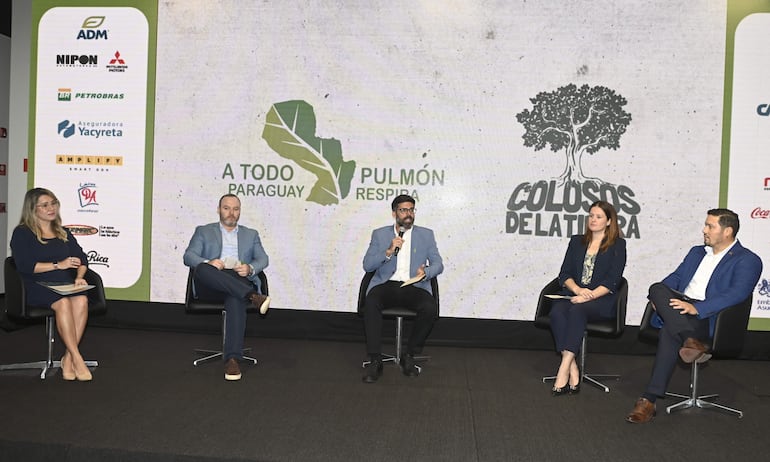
(71, 317)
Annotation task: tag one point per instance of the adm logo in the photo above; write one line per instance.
(90, 29)
(290, 132)
(574, 121)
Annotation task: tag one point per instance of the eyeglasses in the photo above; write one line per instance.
(52, 204)
(412, 210)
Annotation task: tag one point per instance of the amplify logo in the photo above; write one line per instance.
(117, 64)
(90, 29)
(575, 121)
(290, 132)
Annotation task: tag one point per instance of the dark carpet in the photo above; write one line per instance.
(305, 401)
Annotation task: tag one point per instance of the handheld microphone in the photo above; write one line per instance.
(401, 231)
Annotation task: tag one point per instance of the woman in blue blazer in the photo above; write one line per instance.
(590, 275)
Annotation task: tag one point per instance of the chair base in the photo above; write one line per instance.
(590, 378)
(395, 359)
(699, 401)
(214, 354)
(44, 366)
(593, 379)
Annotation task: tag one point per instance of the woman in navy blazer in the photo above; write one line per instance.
(590, 274)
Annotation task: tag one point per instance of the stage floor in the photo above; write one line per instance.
(305, 401)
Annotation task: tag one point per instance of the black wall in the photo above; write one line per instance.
(5, 18)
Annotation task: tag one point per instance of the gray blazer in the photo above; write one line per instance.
(206, 244)
(424, 251)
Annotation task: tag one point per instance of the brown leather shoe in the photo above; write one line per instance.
(694, 350)
(232, 370)
(260, 301)
(642, 412)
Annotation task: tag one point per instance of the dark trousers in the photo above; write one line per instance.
(213, 284)
(676, 329)
(410, 297)
(568, 320)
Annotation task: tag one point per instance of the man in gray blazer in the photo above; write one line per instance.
(398, 253)
(227, 258)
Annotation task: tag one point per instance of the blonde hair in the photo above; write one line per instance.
(29, 219)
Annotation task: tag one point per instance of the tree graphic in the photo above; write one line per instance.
(578, 120)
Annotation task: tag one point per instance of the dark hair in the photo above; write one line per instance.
(228, 195)
(613, 230)
(401, 199)
(727, 219)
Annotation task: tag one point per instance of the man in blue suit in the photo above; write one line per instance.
(397, 253)
(712, 277)
(227, 258)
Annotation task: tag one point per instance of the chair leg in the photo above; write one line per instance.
(593, 379)
(213, 354)
(694, 400)
(396, 359)
(49, 364)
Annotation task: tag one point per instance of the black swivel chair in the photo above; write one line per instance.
(17, 308)
(729, 334)
(397, 312)
(610, 328)
(195, 305)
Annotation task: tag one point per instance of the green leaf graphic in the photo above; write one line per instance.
(290, 132)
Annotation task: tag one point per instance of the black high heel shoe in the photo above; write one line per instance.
(560, 391)
(573, 389)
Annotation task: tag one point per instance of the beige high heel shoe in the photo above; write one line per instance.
(67, 370)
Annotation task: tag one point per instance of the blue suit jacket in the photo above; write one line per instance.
(424, 252)
(206, 244)
(732, 281)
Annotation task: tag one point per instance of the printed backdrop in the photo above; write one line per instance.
(505, 119)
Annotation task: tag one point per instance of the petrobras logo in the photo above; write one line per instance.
(64, 94)
(763, 109)
(81, 230)
(90, 29)
(77, 61)
(90, 128)
(67, 95)
(117, 63)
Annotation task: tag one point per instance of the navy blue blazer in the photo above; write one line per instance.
(206, 244)
(732, 281)
(424, 252)
(608, 269)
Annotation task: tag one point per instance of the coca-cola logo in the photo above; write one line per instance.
(759, 212)
(95, 259)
